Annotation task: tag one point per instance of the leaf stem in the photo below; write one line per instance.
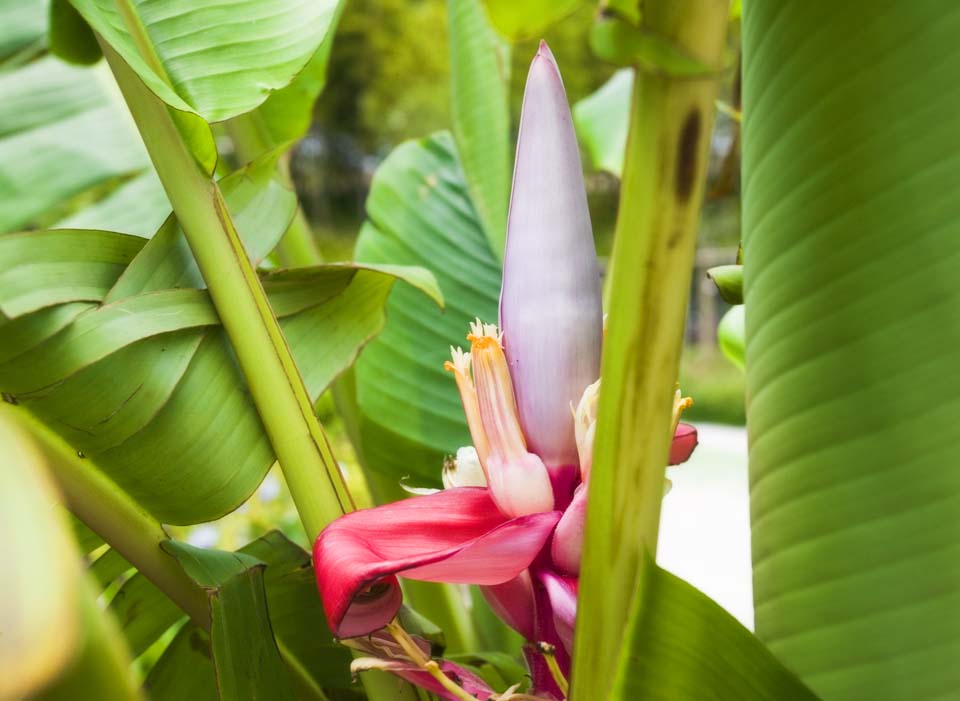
(302, 448)
(656, 234)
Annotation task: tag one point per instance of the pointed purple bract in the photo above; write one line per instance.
(550, 304)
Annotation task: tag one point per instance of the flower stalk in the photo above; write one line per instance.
(302, 449)
(660, 197)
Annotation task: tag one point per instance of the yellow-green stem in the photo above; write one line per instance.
(660, 197)
(302, 449)
(113, 515)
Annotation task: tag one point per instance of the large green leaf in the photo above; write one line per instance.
(288, 112)
(480, 108)
(602, 120)
(681, 645)
(144, 383)
(420, 213)
(215, 59)
(63, 135)
(851, 158)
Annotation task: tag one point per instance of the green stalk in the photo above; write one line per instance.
(113, 515)
(660, 197)
(302, 449)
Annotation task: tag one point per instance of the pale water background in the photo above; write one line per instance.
(705, 523)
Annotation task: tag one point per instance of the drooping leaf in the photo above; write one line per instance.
(420, 213)
(682, 645)
(41, 269)
(288, 112)
(602, 120)
(120, 379)
(526, 20)
(63, 134)
(480, 108)
(249, 48)
(851, 249)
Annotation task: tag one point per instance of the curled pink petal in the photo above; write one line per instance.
(567, 545)
(513, 602)
(455, 535)
(684, 441)
(562, 592)
(550, 303)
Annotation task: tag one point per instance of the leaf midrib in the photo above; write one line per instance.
(142, 40)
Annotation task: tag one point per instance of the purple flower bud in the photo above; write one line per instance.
(550, 304)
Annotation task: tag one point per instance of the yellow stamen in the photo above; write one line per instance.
(680, 404)
(460, 367)
(498, 405)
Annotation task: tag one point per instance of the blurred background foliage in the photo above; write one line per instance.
(389, 82)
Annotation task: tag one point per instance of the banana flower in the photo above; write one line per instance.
(529, 390)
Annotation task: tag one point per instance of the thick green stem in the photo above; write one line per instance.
(302, 449)
(113, 515)
(660, 197)
(311, 472)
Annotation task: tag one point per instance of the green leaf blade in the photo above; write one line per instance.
(851, 251)
(480, 81)
(421, 214)
(248, 48)
(684, 646)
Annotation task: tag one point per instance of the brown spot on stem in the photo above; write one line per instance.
(686, 168)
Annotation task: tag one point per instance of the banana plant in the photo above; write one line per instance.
(158, 355)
